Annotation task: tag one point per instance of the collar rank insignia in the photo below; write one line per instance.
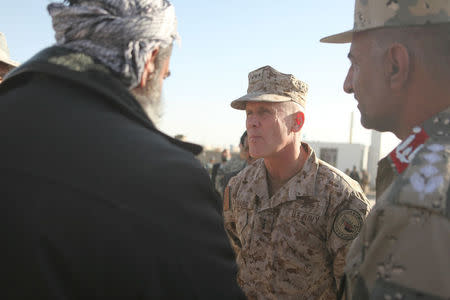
(405, 152)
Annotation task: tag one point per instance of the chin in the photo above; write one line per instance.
(256, 155)
(364, 123)
(377, 124)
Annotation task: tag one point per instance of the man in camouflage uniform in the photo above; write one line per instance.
(224, 157)
(400, 74)
(233, 166)
(290, 216)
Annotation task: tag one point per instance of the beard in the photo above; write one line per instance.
(150, 97)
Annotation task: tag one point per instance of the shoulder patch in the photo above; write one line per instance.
(226, 199)
(347, 224)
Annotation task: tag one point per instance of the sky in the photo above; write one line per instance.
(221, 42)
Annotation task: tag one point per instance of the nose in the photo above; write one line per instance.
(251, 121)
(348, 82)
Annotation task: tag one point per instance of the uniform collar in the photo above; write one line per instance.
(301, 186)
(439, 124)
(399, 159)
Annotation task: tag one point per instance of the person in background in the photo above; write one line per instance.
(224, 157)
(354, 174)
(365, 179)
(290, 217)
(234, 166)
(399, 75)
(97, 203)
(209, 165)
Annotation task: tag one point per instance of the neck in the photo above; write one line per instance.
(422, 102)
(284, 165)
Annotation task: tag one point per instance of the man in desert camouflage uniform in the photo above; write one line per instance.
(290, 216)
(400, 76)
(233, 166)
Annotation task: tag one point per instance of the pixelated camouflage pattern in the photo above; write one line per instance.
(403, 249)
(371, 14)
(231, 166)
(268, 85)
(285, 244)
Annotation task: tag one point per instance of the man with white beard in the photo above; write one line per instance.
(96, 202)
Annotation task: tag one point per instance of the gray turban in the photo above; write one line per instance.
(119, 33)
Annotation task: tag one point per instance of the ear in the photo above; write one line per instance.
(299, 121)
(397, 65)
(149, 67)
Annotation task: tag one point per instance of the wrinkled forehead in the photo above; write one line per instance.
(252, 105)
(287, 107)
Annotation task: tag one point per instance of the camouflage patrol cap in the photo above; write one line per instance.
(372, 14)
(4, 52)
(268, 85)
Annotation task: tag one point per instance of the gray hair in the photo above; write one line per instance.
(119, 33)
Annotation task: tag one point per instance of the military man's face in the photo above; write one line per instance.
(367, 81)
(225, 155)
(267, 128)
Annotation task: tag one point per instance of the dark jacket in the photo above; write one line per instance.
(96, 203)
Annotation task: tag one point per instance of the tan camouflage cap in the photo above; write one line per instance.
(371, 14)
(4, 52)
(268, 85)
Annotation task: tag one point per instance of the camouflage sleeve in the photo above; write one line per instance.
(338, 265)
(344, 225)
(402, 253)
(229, 220)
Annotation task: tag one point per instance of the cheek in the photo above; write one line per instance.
(356, 78)
(247, 122)
(362, 86)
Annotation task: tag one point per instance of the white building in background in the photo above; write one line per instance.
(346, 155)
(342, 155)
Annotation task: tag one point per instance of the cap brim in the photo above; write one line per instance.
(340, 38)
(258, 97)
